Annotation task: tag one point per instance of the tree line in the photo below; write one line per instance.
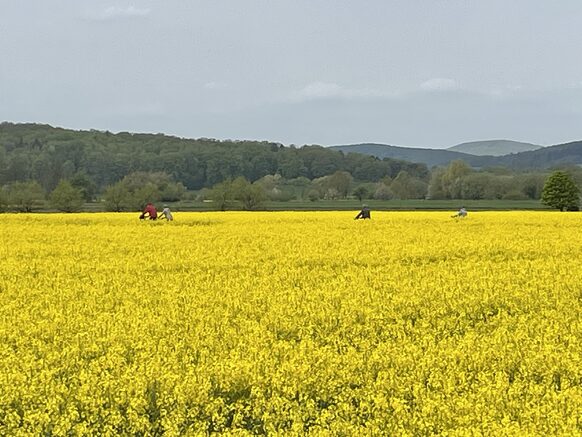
(41, 165)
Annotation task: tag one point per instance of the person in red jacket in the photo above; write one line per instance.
(150, 210)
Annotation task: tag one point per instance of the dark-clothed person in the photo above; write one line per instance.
(364, 213)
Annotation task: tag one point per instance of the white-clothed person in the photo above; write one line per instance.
(166, 214)
(461, 213)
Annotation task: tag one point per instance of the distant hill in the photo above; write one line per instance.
(493, 147)
(430, 157)
(543, 157)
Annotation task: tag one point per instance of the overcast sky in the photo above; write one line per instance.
(425, 73)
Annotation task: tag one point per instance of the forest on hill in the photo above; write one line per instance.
(47, 155)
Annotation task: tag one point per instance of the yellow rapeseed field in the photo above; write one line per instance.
(412, 323)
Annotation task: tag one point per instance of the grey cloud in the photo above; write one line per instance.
(214, 85)
(439, 84)
(117, 12)
(326, 90)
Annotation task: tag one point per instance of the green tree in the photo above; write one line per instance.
(3, 200)
(452, 178)
(25, 196)
(270, 181)
(66, 198)
(250, 195)
(532, 184)
(417, 188)
(292, 167)
(498, 186)
(399, 185)
(3, 164)
(340, 182)
(474, 186)
(145, 187)
(144, 195)
(138, 179)
(172, 192)
(436, 189)
(361, 193)
(560, 191)
(67, 170)
(85, 184)
(43, 172)
(313, 195)
(300, 186)
(222, 194)
(405, 186)
(18, 167)
(117, 197)
(383, 192)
